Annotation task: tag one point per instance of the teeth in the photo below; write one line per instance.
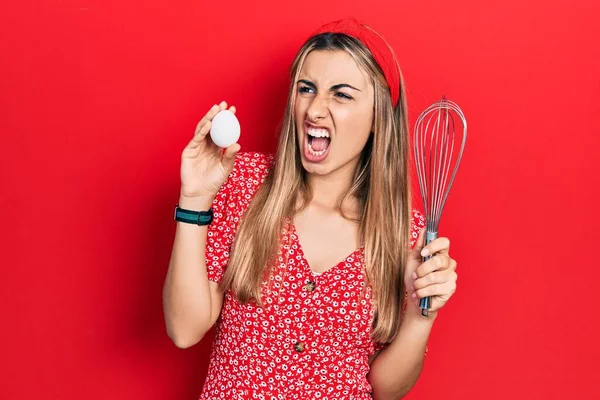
(318, 132)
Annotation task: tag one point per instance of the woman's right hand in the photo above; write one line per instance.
(204, 166)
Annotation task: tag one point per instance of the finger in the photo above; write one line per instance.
(214, 110)
(439, 245)
(232, 109)
(229, 157)
(435, 278)
(453, 264)
(418, 245)
(441, 289)
(439, 262)
(200, 135)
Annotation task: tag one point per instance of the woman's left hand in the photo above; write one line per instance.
(435, 277)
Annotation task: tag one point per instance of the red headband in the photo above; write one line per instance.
(381, 50)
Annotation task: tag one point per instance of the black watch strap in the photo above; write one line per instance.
(193, 217)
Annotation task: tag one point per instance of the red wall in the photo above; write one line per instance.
(98, 99)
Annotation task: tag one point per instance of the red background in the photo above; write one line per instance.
(98, 98)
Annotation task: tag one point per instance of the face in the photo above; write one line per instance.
(334, 112)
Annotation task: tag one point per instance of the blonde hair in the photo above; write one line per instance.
(381, 185)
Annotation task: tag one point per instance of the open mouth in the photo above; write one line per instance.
(318, 141)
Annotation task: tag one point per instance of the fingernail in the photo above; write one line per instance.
(414, 295)
(425, 252)
(414, 275)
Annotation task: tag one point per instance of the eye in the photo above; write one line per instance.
(343, 95)
(304, 89)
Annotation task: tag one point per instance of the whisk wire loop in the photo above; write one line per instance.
(438, 130)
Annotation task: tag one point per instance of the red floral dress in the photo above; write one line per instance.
(311, 339)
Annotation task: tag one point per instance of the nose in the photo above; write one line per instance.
(317, 109)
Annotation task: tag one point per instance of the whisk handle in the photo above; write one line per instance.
(425, 302)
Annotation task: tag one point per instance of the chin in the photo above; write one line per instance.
(325, 167)
(316, 169)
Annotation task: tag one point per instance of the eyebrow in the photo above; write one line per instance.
(331, 89)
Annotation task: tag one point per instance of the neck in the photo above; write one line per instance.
(329, 190)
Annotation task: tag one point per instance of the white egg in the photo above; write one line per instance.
(225, 129)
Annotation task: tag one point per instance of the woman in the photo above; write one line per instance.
(309, 273)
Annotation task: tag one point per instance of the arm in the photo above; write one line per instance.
(390, 378)
(396, 369)
(192, 303)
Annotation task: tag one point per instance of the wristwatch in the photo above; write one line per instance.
(193, 217)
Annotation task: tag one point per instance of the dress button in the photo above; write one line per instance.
(299, 346)
(310, 286)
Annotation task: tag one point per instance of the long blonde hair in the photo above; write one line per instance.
(381, 185)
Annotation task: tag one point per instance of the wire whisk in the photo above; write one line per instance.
(439, 130)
